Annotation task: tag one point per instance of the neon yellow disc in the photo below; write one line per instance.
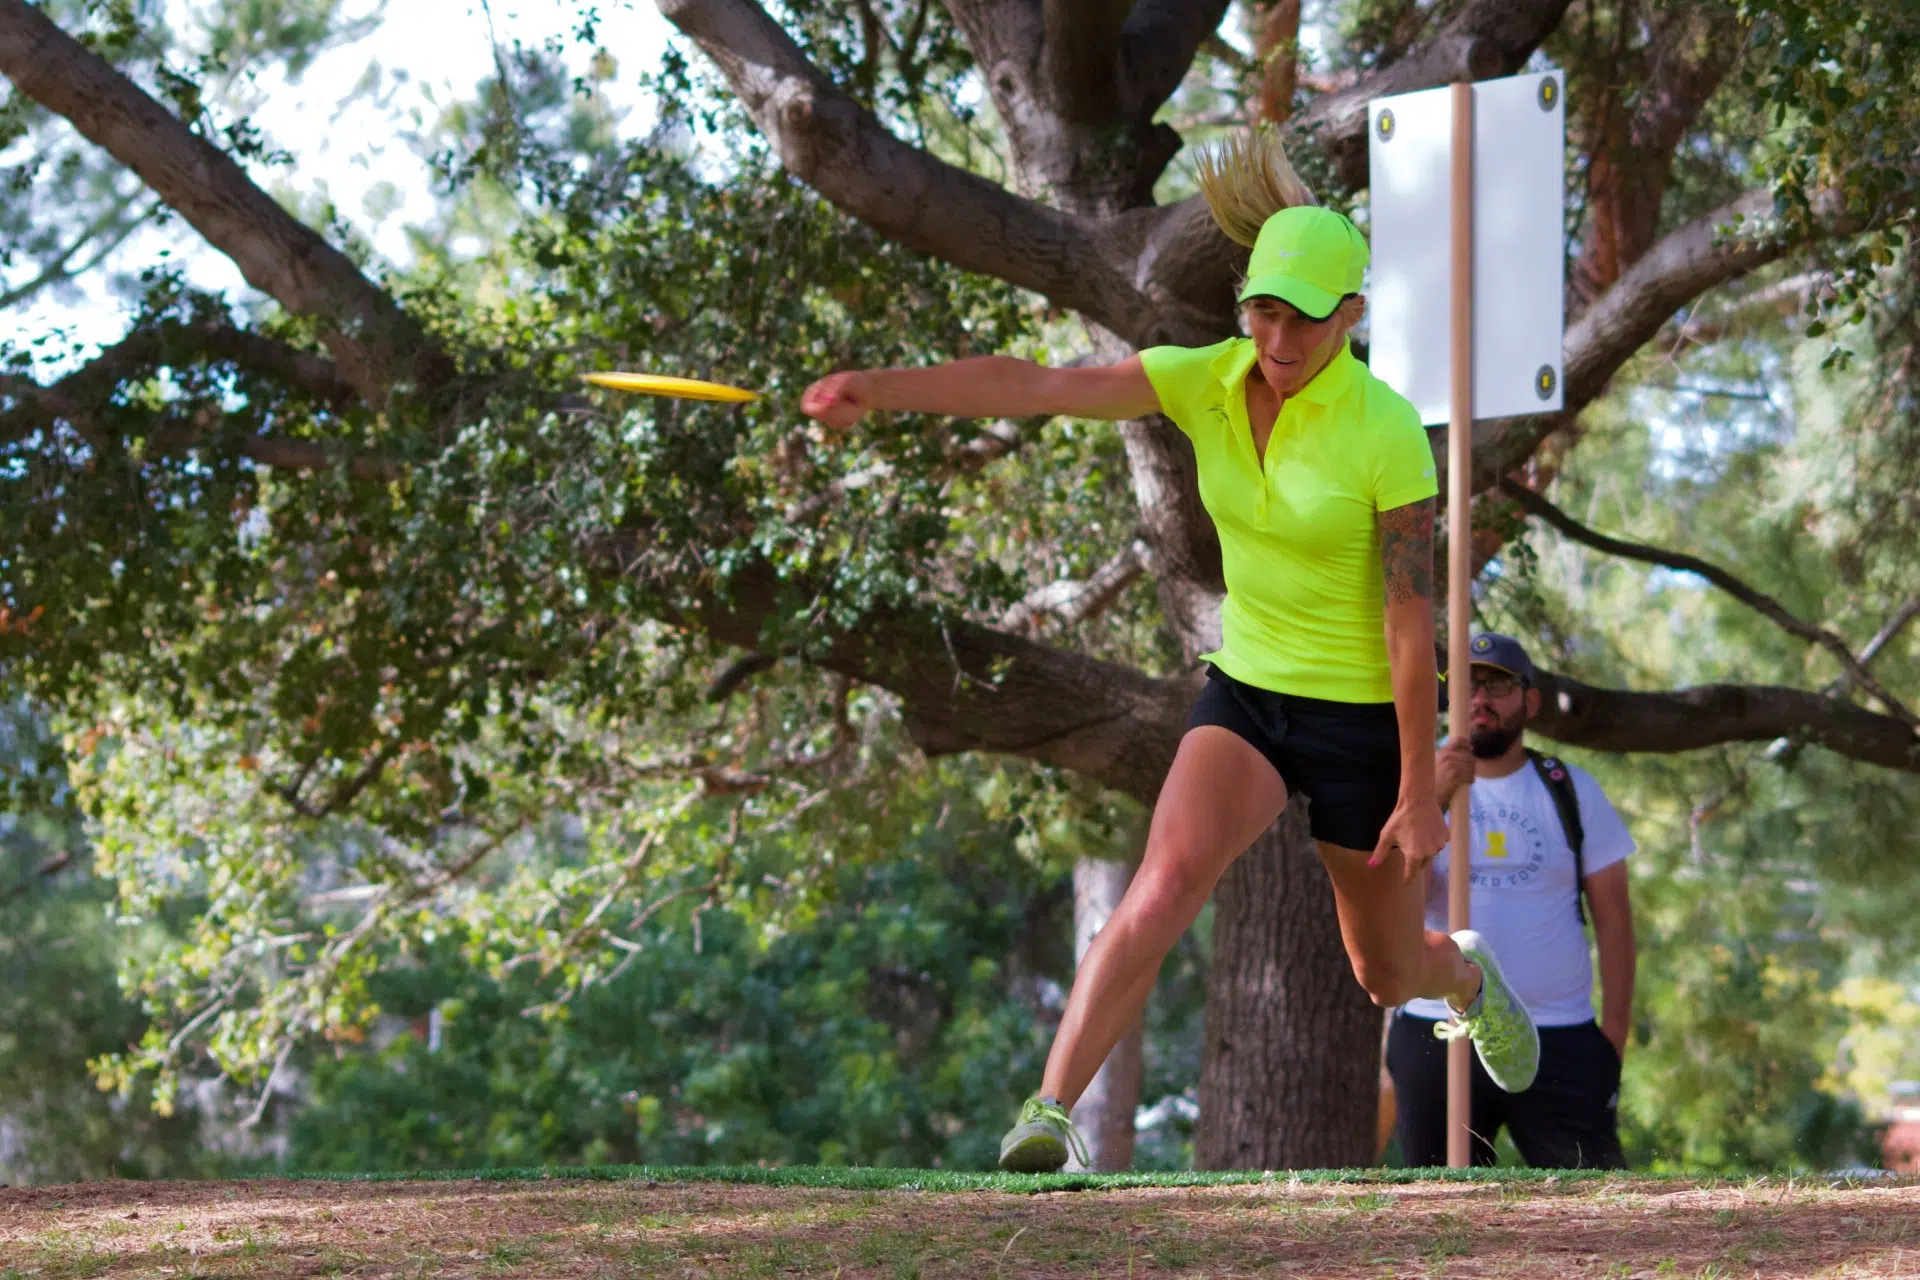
(659, 384)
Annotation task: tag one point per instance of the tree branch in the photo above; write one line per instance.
(266, 1089)
(997, 439)
(1758, 601)
(728, 682)
(284, 454)
(1158, 44)
(1071, 602)
(375, 343)
(49, 868)
(1842, 685)
(144, 351)
(34, 406)
(1220, 47)
(967, 687)
(345, 792)
(1697, 329)
(108, 232)
(838, 148)
(1080, 56)
(1487, 38)
(1709, 251)
(180, 345)
(307, 371)
(1276, 50)
(1630, 164)
(1710, 715)
(1891, 631)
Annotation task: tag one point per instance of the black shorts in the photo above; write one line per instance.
(1344, 757)
(1569, 1118)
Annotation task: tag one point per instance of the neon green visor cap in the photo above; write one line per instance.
(1307, 256)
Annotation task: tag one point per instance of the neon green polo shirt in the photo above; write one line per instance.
(1305, 610)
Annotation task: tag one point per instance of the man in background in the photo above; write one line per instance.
(1543, 832)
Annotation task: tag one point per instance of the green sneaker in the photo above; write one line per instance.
(1503, 1032)
(1039, 1143)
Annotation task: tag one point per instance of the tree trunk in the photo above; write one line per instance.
(1289, 1077)
(1105, 1111)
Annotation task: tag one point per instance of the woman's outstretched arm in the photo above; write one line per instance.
(987, 387)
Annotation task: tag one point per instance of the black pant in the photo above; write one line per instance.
(1568, 1119)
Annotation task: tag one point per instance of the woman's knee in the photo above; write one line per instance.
(1170, 888)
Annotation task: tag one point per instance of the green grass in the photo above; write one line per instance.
(849, 1179)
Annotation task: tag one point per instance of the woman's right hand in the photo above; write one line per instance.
(839, 400)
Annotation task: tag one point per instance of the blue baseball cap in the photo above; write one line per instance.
(1502, 653)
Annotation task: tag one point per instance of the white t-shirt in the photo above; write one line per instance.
(1523, 891)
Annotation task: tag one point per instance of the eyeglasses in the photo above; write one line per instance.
(1495, 686)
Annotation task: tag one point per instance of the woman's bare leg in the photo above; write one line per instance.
(1397, 960)
(1217, 799)
(1383, 922)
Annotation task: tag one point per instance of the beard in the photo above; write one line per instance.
(1491, 744)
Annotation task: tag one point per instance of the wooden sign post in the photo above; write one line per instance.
(1492, 156)
(1459, 584)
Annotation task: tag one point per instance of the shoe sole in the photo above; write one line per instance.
(1036, 1154)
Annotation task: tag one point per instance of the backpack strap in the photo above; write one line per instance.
(1559, 782)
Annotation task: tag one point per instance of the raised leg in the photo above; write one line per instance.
(1383, 921)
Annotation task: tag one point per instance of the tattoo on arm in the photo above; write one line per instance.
(1406, 551)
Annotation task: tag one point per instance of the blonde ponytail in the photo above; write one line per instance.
(1246, 179)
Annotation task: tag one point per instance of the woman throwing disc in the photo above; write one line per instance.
(1320, 481)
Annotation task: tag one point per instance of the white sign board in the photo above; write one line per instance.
(1519, 245)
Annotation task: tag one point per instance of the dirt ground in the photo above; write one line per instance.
(558, 1228)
